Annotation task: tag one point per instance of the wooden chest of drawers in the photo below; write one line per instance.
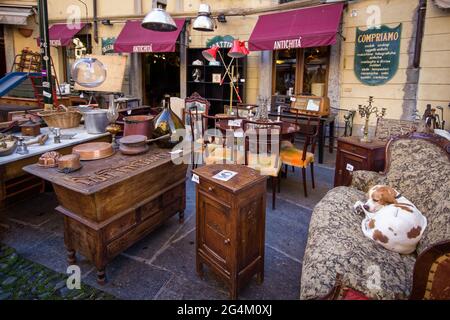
(354, 155)
(231, 224)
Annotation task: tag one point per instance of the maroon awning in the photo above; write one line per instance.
(302, 28)
(134, 38)
(61, 34)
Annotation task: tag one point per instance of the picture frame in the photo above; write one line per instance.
(216, 77)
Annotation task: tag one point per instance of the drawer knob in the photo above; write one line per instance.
(210, 189)
(227, 241)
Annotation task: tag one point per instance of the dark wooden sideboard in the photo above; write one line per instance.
(352, 155)
(112, 203)
(231, 225)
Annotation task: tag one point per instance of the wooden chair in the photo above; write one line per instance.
(212, 142)
(195, 100)
(266, 161)
(302, 158)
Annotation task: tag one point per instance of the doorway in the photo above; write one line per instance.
(161, 75)
(2, 52)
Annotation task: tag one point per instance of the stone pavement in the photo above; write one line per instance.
(25, 280)
(162, 265)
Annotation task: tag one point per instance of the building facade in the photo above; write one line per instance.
(415, 80)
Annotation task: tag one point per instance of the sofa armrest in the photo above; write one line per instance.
(364, 180)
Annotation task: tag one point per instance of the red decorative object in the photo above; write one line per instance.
(351, 294)
(237, 50)
(211, 53)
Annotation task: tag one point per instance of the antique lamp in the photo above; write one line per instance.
(159, 20)
(203, 22)
(88, 72)
(238, 50)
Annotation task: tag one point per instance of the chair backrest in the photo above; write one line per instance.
(259, 134)
(195, 100)
(200, 125)
(418, 166)
(309, 128)
(387, 128)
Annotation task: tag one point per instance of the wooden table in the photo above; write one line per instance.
(14, 181)
(231, 224)
(287, 128)
(352, 155)
(112, 203)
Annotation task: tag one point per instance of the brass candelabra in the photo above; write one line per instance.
(365, 112)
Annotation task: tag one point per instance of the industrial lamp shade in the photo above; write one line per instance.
(211, 53)
(203, 22)
(238, 50)
(159, 20)
(88, 72)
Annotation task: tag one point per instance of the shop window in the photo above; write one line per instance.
(301, 71)
(285, 71)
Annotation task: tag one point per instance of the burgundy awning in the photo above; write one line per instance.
(302, 28)
(134, 38)
(61, 34)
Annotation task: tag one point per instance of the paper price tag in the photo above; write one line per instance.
(195, 178)
(293, 99)
(234, 123)
(349, 167)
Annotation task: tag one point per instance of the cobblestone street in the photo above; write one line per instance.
(23, 279)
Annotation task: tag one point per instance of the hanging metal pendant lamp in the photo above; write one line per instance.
(203, 22)
(159, 20)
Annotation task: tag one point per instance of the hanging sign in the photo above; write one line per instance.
(220, 41)
(377, 53)
(108, 45)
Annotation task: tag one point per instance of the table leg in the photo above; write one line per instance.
(321, 141)
(71, 256)
(101, 276)
(331, 139)
(181, 217)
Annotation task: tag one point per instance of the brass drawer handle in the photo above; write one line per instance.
(227, 241)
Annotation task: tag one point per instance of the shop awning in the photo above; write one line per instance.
(15, 15)
(302, 28)
(61, 34)
(134, 38)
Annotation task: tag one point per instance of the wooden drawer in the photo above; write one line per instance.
(120, 226)
(344, 147)
(173, 195)
(215, 192)
(150, 208)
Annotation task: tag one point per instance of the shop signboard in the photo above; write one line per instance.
(377, 53)
(220, 41)
(108, 45)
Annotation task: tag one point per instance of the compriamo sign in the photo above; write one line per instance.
(377, 53)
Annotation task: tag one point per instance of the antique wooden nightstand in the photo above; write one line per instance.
(352, 155)
(231, 224)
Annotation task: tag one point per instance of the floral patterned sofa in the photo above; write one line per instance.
(418, 165)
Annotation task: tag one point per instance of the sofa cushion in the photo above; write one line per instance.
(336, 244)
(419, 170)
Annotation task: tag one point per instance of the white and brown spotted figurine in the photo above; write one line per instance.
(391, 220)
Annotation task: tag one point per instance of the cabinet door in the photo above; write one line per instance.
(251, 229)
(214, 234)
(347, 163)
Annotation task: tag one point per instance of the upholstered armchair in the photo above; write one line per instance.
(418, 166)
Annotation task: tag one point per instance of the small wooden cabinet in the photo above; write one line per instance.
(231, 224)
(352, 155)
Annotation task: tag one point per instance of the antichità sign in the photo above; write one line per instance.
(377, 53)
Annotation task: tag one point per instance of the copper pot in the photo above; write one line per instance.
(138, 125)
